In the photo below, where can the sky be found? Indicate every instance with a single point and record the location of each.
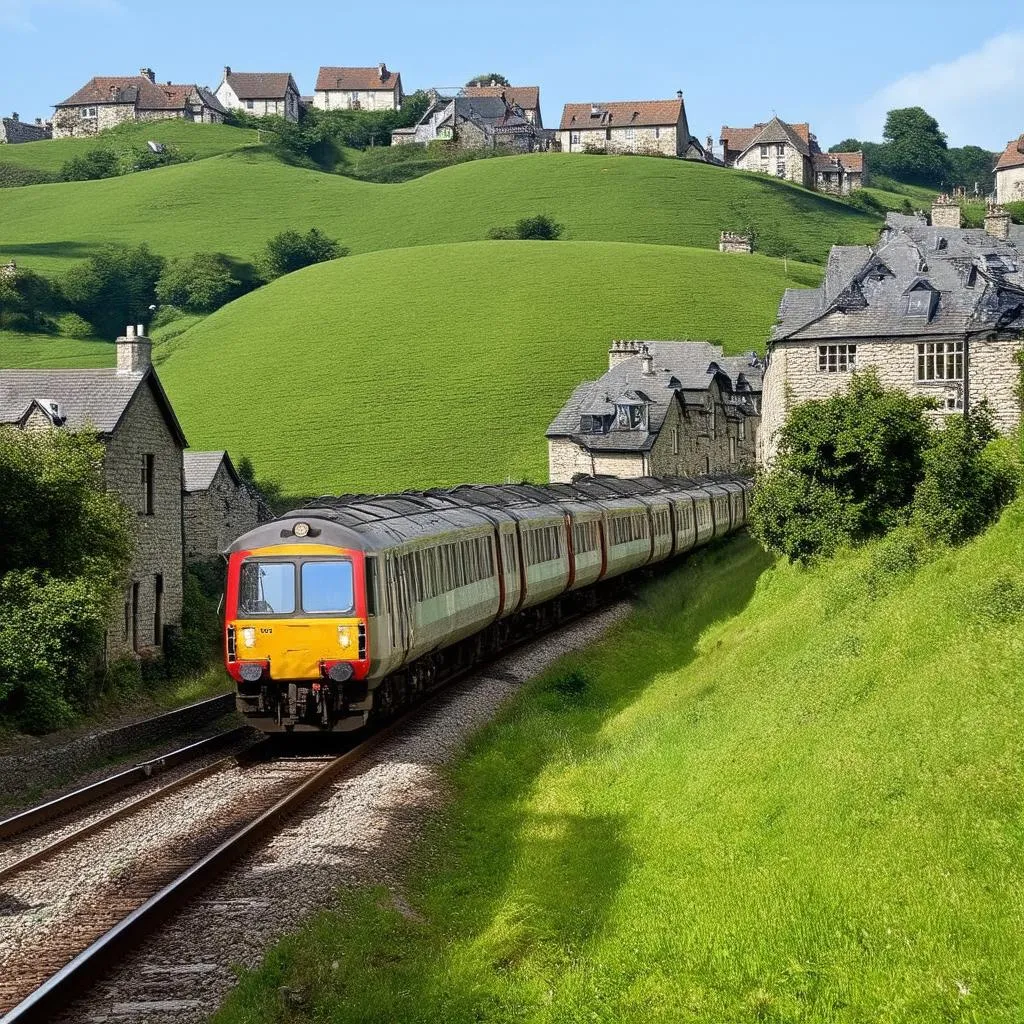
(839, 66)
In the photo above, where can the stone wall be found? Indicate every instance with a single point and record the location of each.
(158, 537)
(797, 166)
(729, 242)
(666, 140)
(365, 99)
(68, 122)
(1010, 185)
(217, 516)
(13, 131)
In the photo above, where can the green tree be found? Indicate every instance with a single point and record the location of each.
(200, 283)
(290, 251)
(113, 287)
(97, 163)
(539, 227)
(970, 167)
(917, 150)
(25, 300)
(492, 79)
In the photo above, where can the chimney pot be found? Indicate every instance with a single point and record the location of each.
(679, 94)
(148, 73)
(134, 351)
(14, 116)
(227, 70)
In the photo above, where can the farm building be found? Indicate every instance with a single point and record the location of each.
(260, 93)
(473, 122)
(935, 309)
(636, 126)
(375, 88)
(664, 408)
(525, 97)
(13, 130)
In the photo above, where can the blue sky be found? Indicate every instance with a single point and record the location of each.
(838, 66)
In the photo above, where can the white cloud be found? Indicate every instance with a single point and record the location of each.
(975, 98)
(17, 14)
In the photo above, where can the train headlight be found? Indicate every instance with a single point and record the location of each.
(249, 636)
(301, 530)
(345, 636)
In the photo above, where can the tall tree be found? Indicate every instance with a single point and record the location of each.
(916, 147)
(492, 79)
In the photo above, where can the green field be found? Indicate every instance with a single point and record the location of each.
(233, 203)
(44, 352)
(440, 364)
(777, 798)
(193, 140)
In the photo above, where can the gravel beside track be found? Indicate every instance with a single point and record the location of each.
(357, 832)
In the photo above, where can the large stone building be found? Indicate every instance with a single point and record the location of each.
(1010, 173)
(218, 505)
(645, 127)
(664, 408)
(142, 462)
(374, 88)
(791, 151)
(13, 129)
(935, 309)
(259, 93)
(525, 97)
(472, 122)
(105, 102)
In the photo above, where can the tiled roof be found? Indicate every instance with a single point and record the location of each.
(627, 114)
(260, 85)
(88, 399)
(1012, 156)
(356, 79)
(853, 163)
(736, 140)
(776, 130)
(680, 368)
(201, 468)
(139, 91)
(525, 96)
(979, 281)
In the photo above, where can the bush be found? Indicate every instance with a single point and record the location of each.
(199, 283)
(290, 251)
(71, 325)
(142, 158)
(540, 227)
(16, 176)
(97, 163)
(113, 287)
(26, 300)
(197, 643)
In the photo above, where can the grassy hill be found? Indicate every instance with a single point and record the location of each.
(781, 795)
(234, 202)
(434, 365)
(197, 141)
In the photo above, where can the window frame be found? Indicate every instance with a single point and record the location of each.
(338, 612)
(837, 358)
(953, 356)
(85, 115)
(148, 481)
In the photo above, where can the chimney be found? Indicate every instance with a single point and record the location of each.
(148, 73)
(945, 213)
(227, 71)
(997, 222)
(134, 351)
(646, 362)
(679, 94)
(39, 121)
(622, 350)
(14, 116)
(382, 70)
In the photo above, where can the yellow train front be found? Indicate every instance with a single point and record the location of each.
(296, 640)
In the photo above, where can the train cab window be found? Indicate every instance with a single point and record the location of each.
(371, 586)
(266, 588)
(327, 586)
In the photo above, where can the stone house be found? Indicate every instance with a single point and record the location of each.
(259, 93)
(105, 102)
(142, 462)
(374, 88)
(791, 151)
(218, 505)
(13, 130)
(525, 97)
(935, 309)
(645, 127)
(472, 122)
(664, 408)
(1010, 173)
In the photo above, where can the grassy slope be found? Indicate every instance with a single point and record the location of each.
(780, 800)
(195, 140)
(440, 364)
(235, 202)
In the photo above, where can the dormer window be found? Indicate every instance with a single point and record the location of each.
(631, 416)
(594, 424)
(921, 304)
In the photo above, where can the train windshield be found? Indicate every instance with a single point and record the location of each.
(267, 588)
(327, 586)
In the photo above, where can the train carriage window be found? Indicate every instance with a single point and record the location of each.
(371, 585)
(267, 588)
(327, 586)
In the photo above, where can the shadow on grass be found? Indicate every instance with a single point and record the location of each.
(514, 882)
(61, 250)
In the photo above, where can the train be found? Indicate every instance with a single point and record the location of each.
(351, 608)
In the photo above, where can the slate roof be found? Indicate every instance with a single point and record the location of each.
(776, 130)
(201, 468)
(979, 281)
(139, 91)
(1012, 156)
(627, 114)
(683, 370)
(488, 112)
(88, 399)
(356, 79)
(525, 96)
(852, 163)
(261, 85)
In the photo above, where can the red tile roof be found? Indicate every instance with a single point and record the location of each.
(260, 85)
(356, 79)
(627, 114)
(139, 91)
(525, 96)
(852, 163)
(1012, 156)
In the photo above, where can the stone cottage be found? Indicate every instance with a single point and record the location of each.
(791, 151)
(142, 462)
(935, 309)
(664, 408)
(525, 97)
(13, 130)
(259, 93)
(105, 102)
(1010, 173)
(374, 88)
(472, 122)
(645, 127)
(218, 505)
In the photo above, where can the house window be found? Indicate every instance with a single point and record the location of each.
(657, 133)
(675, 440)
(88, 113)
(732, 449)
(780, 169)
(743, 430)
(249, 105)
(148, 466)
(940, 360)
(955, 400)
(764, 152)
(837, 358)
(574, 138)
(608, 134)
(630, 133)
(780, 149)
(158, 610)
